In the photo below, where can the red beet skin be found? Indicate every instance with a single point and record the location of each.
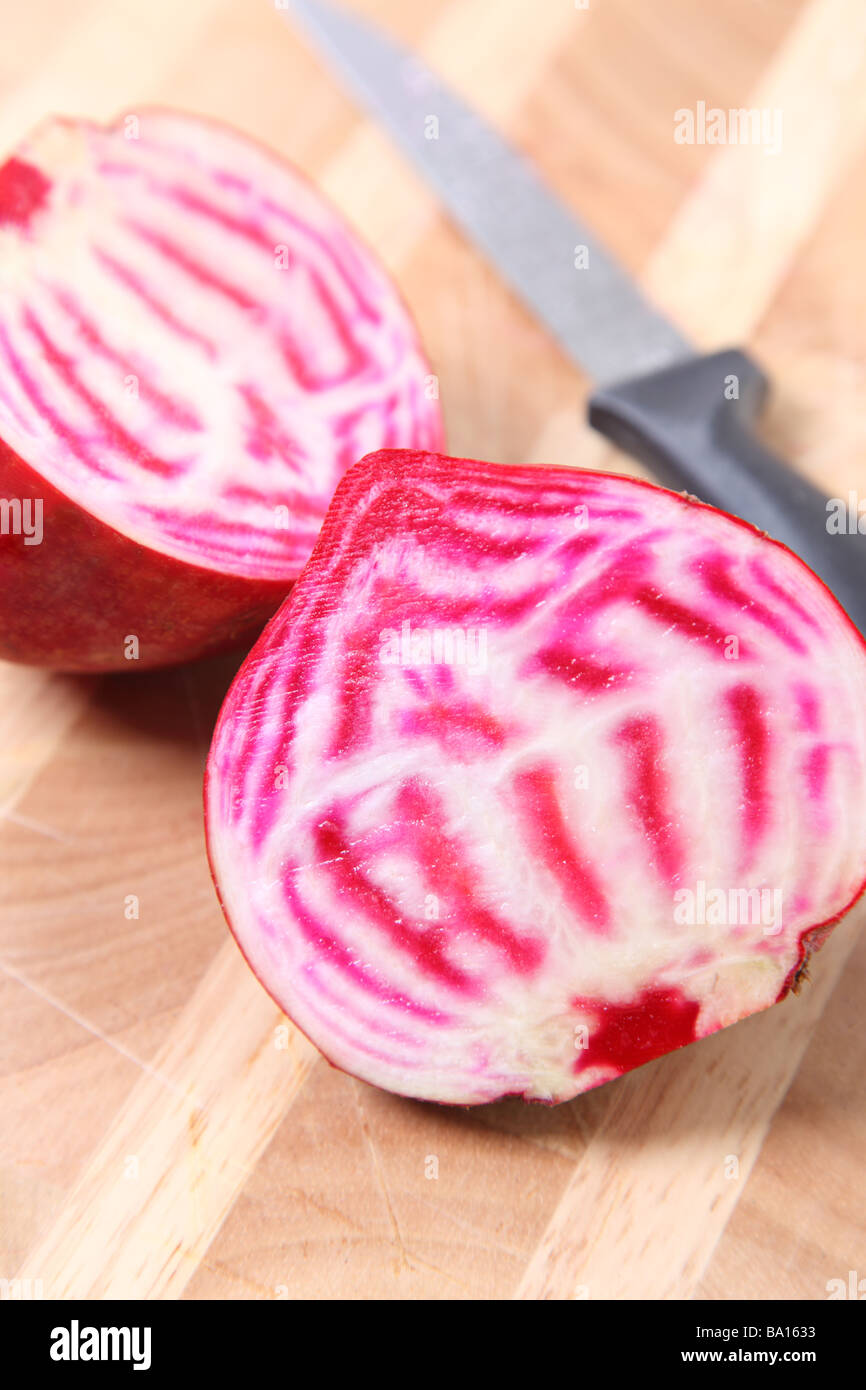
(193, 349)
(536, 775)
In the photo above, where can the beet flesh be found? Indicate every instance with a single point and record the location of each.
(536, 775)
(193, 349)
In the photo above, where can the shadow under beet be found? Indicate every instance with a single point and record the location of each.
(175, 704)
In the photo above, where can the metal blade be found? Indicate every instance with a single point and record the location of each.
(586, 300)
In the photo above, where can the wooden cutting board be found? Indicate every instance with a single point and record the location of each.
(162, 1134)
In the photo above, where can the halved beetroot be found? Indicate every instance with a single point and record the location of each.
(193, 349)
(536, 775)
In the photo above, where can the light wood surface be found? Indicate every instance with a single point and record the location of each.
(163, 1132)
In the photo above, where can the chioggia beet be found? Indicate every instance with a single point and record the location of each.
(536, 775)
(193, 349)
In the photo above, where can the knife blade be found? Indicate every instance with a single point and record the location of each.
(688, 417)
(499, 201)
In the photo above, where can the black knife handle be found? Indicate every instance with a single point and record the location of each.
(692, 424)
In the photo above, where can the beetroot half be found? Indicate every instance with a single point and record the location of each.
(536, 775)
(193, 349)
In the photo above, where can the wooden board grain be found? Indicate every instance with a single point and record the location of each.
(163, 1133)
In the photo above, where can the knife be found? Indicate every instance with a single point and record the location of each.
(689, 417)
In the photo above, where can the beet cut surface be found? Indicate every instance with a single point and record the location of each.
(193, 348)
(536, 775)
